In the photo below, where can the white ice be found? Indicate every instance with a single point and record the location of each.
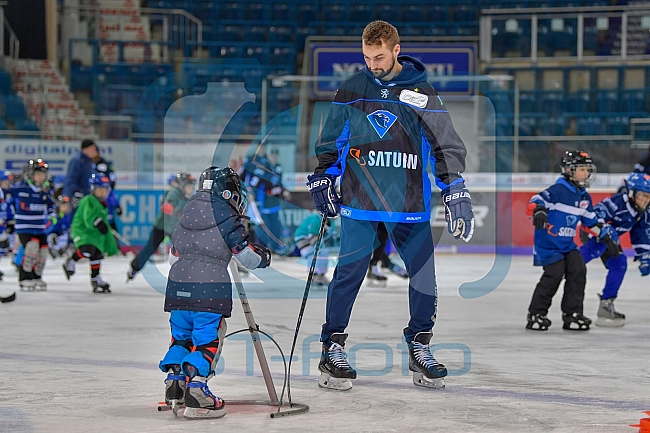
(74, 361)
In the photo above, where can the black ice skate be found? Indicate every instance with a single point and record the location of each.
(397, 270)
(538, 322)
(335, 370)
(575, 322)
(607, 314)
(2, 274)
(375, 277)
(130, 274)
(69, 268)
(100, 286)
(320, 280)
(200, 402)
(175, 388)
(426, 370)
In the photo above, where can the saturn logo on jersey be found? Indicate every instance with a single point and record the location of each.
(381, 120)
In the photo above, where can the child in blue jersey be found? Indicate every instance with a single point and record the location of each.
(625, 212)
(556, 213)
(58, 226)
(32, 206)
(6, 227)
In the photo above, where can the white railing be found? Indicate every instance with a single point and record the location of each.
(628, 25)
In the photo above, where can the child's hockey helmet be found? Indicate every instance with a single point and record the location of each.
(637, 182)
(98, 180)
(35, 165)
(184, 179)
(573, 159)
(224, 183)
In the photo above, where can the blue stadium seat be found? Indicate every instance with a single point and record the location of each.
(386, 11)
(307, 13)
(527, 102)
(281, 33)
(579, 102)
(284, 11)
(231, 33)
(26, 125)
(360, 12)
(230, 10)
(464, 12)
(255, 33)
(3, 125)
(5, 83)
(437, 13)
(634, 100)
(528, 126)
(334, 13)
(552, 103)
(257, 11)
(14, 107)
(410, 12)
(590, 125)
(618, 124)
(260, 52)
(553, 126)
(282, 55)
(607, 101)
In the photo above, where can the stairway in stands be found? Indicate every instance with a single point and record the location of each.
(49, 102)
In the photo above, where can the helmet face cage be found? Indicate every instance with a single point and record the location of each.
(638, 182)
(36, 165)
(574, 159)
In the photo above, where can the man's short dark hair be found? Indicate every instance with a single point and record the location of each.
(87, 143)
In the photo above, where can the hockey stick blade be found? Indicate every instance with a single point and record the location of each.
(9, 298)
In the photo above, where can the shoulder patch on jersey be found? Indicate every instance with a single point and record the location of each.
(413, 98)
(584, 204)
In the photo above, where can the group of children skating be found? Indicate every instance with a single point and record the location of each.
(556, 212)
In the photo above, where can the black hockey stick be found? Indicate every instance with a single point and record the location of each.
(9, 298)
(305, 295)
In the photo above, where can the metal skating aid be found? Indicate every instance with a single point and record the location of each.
(420, 380)
(339, 384)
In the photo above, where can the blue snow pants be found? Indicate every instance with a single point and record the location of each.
(616, 266)
(197, 330)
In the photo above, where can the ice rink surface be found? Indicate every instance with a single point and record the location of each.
(74, 361)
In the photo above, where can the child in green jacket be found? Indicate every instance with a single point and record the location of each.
(91, 233)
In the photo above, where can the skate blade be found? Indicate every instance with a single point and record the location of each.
(610, 323)
(338, 384)
(420, 380)
(538, 328)
(582, 328)
(199, 413)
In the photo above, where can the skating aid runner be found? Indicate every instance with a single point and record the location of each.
(305, 295)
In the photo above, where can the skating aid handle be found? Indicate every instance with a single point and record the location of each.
(305, 295)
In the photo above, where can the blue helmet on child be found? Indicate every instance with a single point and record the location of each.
(637, 182)
(98, 180)
(6, 175)
(58, 181)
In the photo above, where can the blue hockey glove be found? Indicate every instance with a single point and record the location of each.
(609, 237)
(644, 264)
(458, 211)
(326, 200)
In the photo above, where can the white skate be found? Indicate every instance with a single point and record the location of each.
(335, 383)
(374, 278)
(27, 285)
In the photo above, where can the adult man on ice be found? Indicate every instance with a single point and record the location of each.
(385, 126)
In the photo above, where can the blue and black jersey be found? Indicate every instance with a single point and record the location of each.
(32, 208)
(623, 217)
(381, 136)
(567, 206)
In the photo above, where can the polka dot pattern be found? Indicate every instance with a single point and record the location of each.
(204, 236)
